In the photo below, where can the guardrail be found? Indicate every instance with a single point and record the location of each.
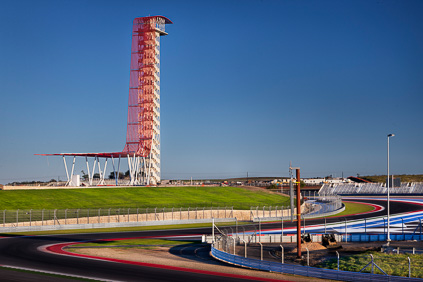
(317, 207)
(308, 271)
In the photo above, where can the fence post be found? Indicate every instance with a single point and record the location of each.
(259, 229)
(282, 254)
(245, 249)
(325, 224)
(384, 232)
(308, 256)
(337, 254)
(251, 211)
(409, 267)
(234, 243)
(261, 251)
(365, 226)
(346, 239)
(402, 225)
(236, 227)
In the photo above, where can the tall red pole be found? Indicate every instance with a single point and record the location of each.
(298, 214)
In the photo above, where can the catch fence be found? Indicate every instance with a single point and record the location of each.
(224, 248)
(45, 217)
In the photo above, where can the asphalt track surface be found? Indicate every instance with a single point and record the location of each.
(24, 252)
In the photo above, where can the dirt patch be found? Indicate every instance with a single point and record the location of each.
(195, 256)
(310, 246)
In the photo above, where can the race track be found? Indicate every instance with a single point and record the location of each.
(27, 252)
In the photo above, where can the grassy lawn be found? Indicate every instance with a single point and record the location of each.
(354, 208)
(392, 264)
(138, 197)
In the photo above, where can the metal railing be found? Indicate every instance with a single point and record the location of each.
(308, 271)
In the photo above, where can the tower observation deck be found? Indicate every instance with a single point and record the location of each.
(142, 148)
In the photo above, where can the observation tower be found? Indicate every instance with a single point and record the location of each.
(142, 148)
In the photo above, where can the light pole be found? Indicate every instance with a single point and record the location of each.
(387, 185)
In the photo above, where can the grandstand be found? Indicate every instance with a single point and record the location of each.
(370, 189)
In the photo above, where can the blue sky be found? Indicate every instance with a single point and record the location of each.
(246, 86)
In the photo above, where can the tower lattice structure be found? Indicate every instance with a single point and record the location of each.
(143, 128)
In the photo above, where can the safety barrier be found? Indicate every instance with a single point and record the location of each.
(303, 270)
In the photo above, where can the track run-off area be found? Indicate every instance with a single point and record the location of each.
(45, 254)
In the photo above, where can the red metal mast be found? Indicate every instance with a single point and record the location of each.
(144, 85)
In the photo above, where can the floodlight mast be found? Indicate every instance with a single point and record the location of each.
(388, 239)
(298, 213)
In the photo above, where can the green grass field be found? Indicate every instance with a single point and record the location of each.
(354, 208)
(392, 264)
(138, 197)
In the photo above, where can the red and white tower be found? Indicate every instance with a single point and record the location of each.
(143, 130)
(142, 148)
